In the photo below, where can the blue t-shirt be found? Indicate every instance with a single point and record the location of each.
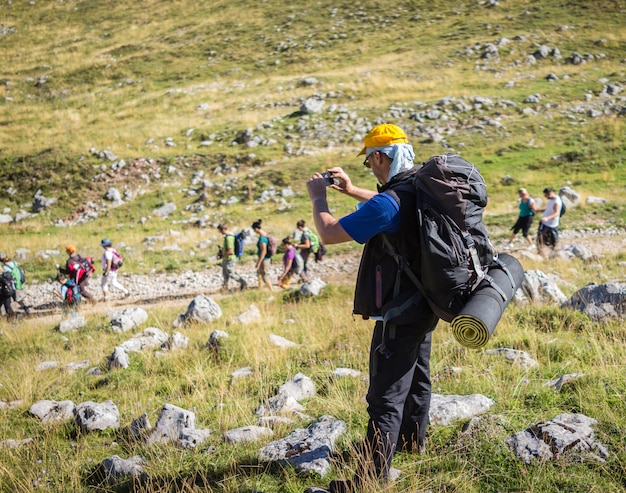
(380, 214)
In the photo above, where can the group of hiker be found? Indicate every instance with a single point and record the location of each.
(298, 249)
(73, 278)
(548, 231)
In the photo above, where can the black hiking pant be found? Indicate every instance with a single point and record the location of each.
(5, 301)
(547, 236)
(399, 392)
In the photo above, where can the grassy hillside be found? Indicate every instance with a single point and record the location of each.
(199, 104)
(176, 83)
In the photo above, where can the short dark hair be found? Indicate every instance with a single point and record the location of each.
(221, 226)
(300, 223)
(256, 224)
(547, 190)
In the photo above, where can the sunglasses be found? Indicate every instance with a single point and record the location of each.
(366, 162)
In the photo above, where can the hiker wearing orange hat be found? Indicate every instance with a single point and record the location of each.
(400, 388)
(78, 269)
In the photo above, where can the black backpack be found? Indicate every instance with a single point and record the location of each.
(456, 253)
(7, 284)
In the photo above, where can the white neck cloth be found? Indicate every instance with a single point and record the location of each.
(402, 156)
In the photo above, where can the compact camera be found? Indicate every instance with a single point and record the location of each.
(328, 178)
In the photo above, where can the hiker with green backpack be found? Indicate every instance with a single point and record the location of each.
(309, 244)
(17, 275)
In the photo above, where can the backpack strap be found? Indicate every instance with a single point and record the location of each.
(471, 246)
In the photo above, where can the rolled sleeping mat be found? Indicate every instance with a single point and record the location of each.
(476, 321)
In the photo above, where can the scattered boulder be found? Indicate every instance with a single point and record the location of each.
(192, 437)
(279, 404)
(114, 469)
(128, 319)
(566, 433)
(47, 365)
(444, 409)
(11, 443)
(179, 426)
(308, 450)
(242, 372)
(600, 301)
(151, 337)
(346, 372)
(281, 341)
(92, 416)
(247, 434)
(171, 422)
(300, 387)
(312, 287)
(539, 288)
(41, 203)
(175, 341)
(214, 338)
(119, 359)
(201, 309)
(165, 210)
(113, 195)
(52, 411)
(72, 324)
(558, 383)
(517, 357)
(139, 427)
(77, 365)
(252, 314)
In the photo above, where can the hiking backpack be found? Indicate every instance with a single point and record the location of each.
(298, 264)
(456, 253)
(72, 295)
(82, 267)
(19, 277)
(272, 245)
(240, 239)
(321, 251)
(7, 284)
(117, 260)
(563, 208)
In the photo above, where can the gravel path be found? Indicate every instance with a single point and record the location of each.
(148, 289)
(183, 285)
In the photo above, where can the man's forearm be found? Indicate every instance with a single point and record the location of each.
(360, 194)
(327, 226)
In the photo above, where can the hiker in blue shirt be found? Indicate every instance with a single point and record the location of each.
(400, 389)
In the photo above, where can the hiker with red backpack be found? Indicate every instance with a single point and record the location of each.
(400, 387)
(69, 293)
(111, 262)
(78, 269)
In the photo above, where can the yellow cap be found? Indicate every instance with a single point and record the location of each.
(383, 135)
